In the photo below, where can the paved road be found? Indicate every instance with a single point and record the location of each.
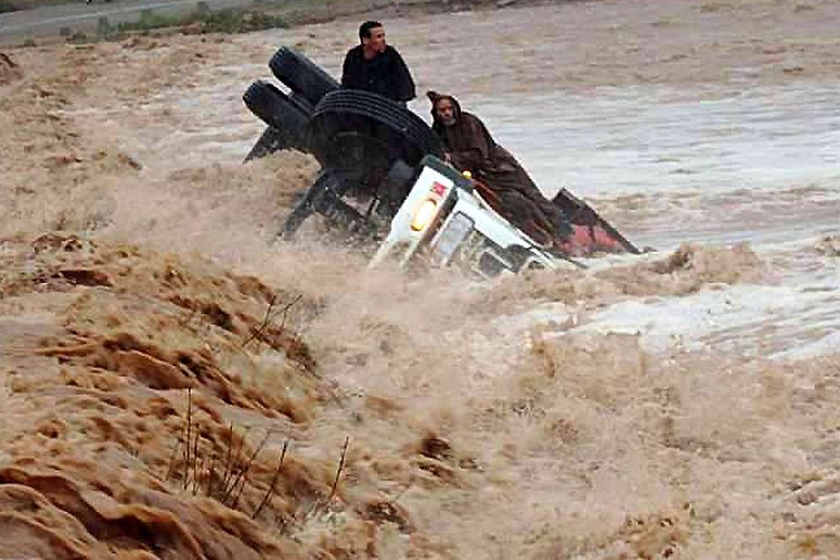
(15, 27)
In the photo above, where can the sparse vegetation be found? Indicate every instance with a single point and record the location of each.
(231, 21)
(217, 465)
(710, 7)
(268, 15)
(30, 4)
(78, 37)
(205, 21)
(201, 20)
(148, 21)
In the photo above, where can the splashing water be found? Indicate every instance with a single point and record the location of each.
(676, 404)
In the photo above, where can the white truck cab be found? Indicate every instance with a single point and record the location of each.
(444, 221)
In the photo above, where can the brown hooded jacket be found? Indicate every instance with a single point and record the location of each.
(471, 148)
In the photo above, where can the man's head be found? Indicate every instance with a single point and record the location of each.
(372, 36)
(445, 110)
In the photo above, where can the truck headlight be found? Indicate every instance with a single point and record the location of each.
(424, 215)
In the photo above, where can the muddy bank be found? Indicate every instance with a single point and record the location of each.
(155, 405)
(159, 404)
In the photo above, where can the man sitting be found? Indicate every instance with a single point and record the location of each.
(510, 191)
(563, 225)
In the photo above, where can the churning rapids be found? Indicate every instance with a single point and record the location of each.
(678, 404)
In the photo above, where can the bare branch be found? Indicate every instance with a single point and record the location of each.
(189, 430)
(270, 491)
(227, 468)
(195, 470)
(258, 332)
(340, 468)
(245, 469)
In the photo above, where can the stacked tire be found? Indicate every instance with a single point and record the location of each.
(301, 75)
(286, 114)
(391, 122)
(286, 121)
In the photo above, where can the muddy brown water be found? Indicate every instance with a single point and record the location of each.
(679, 404)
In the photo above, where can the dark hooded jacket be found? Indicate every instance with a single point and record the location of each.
(385, 74)
(512, 192)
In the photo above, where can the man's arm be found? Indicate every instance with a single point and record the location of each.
(475, 149)
(347, 71)
(467, 160)
(404, 89)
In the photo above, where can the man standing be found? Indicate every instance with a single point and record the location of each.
(375, 66)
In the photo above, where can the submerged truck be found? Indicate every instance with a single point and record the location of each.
(383, 176)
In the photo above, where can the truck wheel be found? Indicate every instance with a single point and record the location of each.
(301, 103)
(301, 75)
(365, 113)
(279, 112)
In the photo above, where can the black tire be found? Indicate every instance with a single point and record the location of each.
(269, 142)
(279, 112)
(301, 103)
(301, 75)
(354, 111)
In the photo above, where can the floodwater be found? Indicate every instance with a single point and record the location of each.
(757, 166)
(677, 404)
(668, 165)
